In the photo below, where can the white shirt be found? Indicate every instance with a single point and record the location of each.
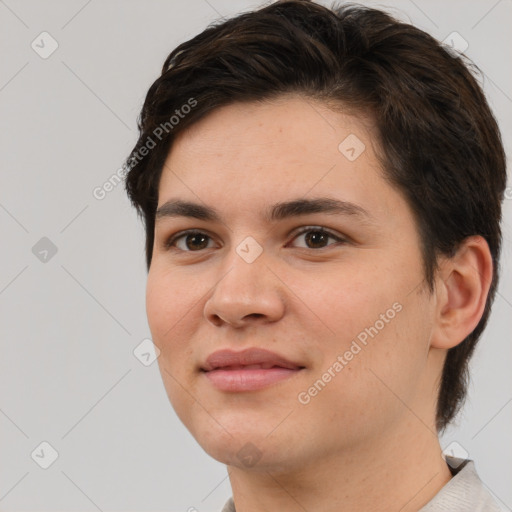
(465, 492)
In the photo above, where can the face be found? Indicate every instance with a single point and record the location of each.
(337, 296)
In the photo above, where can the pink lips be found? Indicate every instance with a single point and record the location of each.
(248, 370)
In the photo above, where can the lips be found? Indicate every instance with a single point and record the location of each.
(249, 370)
(252, 358)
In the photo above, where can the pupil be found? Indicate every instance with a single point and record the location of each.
(315, 235)
(195, 236)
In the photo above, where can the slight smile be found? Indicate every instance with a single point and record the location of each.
(248, 370)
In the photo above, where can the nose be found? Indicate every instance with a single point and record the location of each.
(247, 293)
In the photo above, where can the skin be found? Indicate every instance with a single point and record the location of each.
(367, 440)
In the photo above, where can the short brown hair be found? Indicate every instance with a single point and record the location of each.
(441, 146)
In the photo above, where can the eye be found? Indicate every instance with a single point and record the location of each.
(194, 240)
(317, 236)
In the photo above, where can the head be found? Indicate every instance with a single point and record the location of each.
(271, 107)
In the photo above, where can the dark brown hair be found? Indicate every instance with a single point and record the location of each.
(441, 146)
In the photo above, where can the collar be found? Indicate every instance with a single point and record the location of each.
(464, 492)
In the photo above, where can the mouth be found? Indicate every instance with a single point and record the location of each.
(248, 370)
(248, 378)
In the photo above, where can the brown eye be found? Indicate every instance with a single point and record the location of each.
(193, 241)
(317, 238)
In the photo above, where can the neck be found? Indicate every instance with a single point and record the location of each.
(400, 471)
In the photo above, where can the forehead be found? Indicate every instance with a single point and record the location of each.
(285, 126)
(250, 153)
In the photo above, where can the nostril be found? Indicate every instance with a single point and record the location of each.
(254, 315)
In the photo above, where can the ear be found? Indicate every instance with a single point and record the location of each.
(462, 286)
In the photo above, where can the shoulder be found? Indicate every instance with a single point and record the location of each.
(229, 506)
(464, 492)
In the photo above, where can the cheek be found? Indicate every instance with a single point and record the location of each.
(379, 325)
(376, 378)
(388, 353)
(350, 299)
(169, 303)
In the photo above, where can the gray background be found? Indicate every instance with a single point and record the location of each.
(69, 325)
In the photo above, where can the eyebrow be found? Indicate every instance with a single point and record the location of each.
(276, 212)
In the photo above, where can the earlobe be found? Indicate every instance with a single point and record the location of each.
(462, 287)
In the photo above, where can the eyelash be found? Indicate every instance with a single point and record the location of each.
(169, 243)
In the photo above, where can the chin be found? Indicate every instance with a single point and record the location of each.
(249, 451)
(234, 448)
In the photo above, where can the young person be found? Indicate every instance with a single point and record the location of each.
(321, 191)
